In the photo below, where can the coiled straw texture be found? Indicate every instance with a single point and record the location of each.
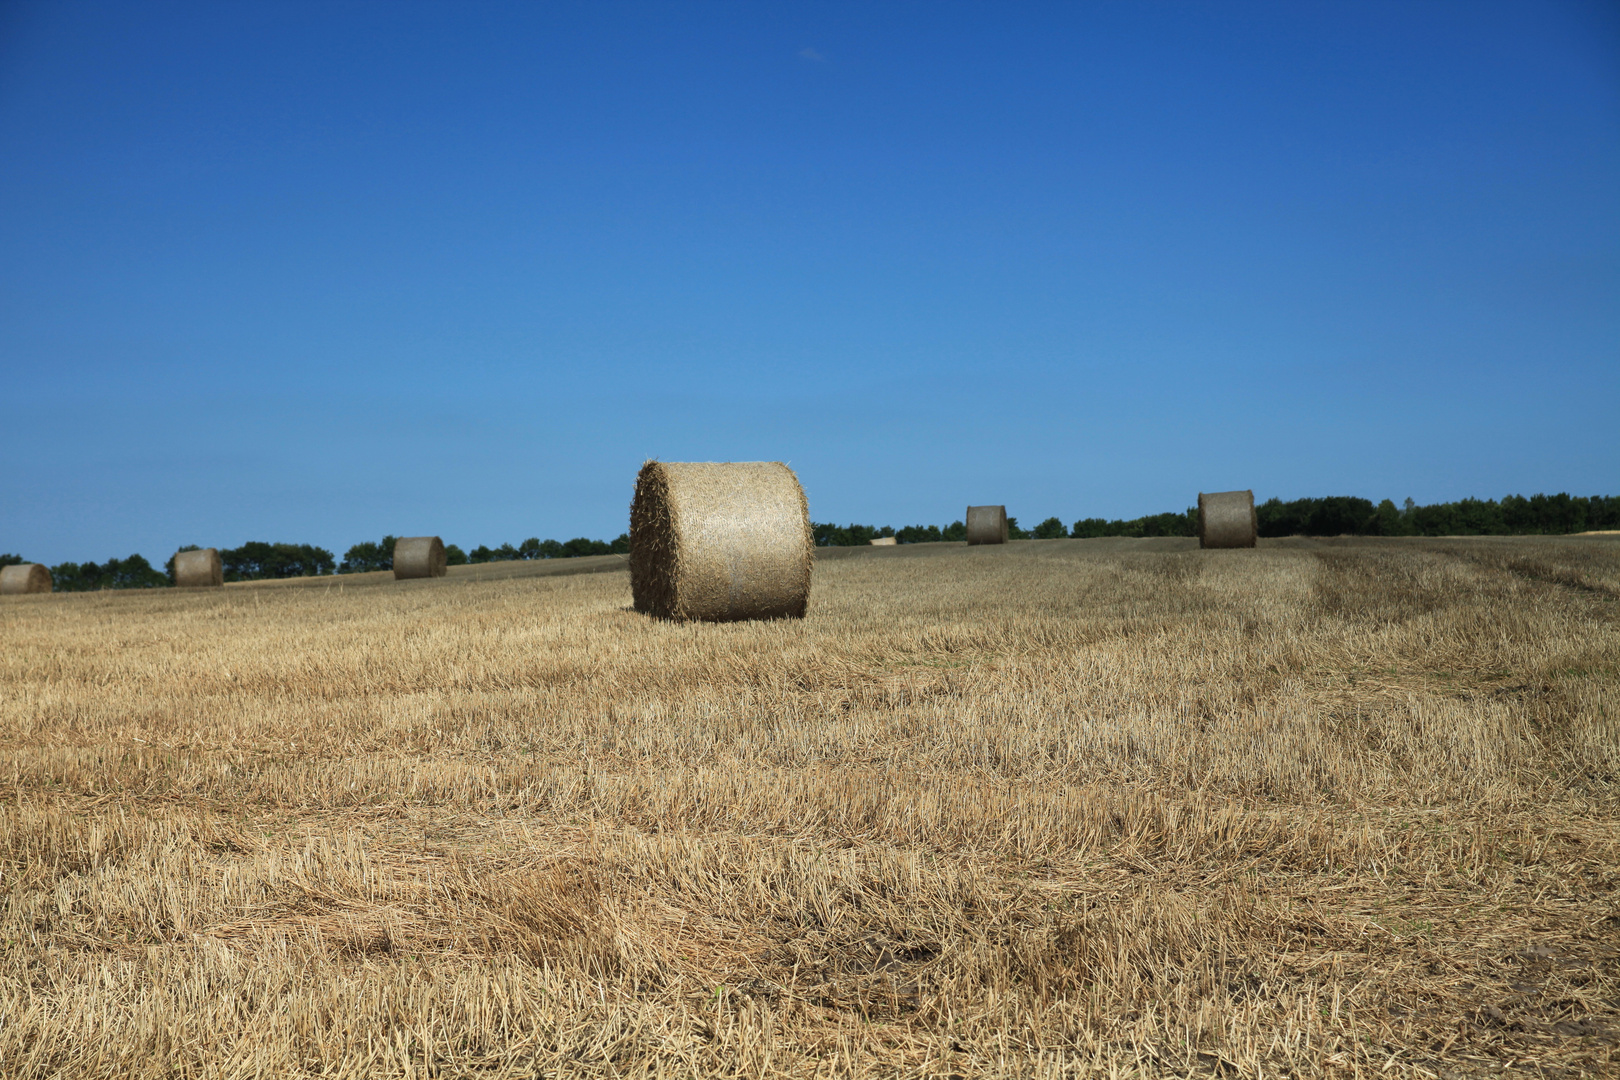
(418, 557)
(1226, 519)
(198, 569)
(720, 541)
(24, 578)
(987, 524)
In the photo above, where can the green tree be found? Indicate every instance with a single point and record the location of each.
(1051, 529)
(1387, 520)
(131, 573)
(919, 534)
(1091, 528)
(580, 546)
(368, 555)
(454, 556)
(257, 560)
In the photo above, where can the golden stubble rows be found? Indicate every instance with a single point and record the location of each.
(1042, 809)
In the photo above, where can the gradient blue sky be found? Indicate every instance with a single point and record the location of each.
(317, 272)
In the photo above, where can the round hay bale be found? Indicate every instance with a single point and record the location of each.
(198, 569)
(720, 541)
(987, 525)
(883, 541)
(28, 577)
(418, 557)
(1226, 519)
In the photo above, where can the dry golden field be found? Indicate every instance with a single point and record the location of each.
(1342, 808)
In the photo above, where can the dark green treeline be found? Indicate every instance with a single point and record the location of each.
(1335, 515)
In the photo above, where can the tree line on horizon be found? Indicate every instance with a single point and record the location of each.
(1335, 515)
(258, 560)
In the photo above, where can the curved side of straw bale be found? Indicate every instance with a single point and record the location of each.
(29, 577)
(1226, 519)
(883, 541)
(418, 557)
(198, 569)
(720, 541)
(987, 524)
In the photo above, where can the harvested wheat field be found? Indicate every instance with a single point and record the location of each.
(1038, 809)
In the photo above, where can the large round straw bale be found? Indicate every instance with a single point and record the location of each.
(720, 541)
(25, 577)
(198, 569)
(1226, 519)
(418, 556)
(883, 541)
(987, 525)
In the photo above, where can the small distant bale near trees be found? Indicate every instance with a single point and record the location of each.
(987, 525)
(419, 557)
(883, 541)
(198, 568)
(1226, 519)
(18, 579)
(720, 541)
(852, 535)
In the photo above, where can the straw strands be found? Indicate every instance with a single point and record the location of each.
(987, 525)
(198, 569)
(418, 557)
(24, 578)
(1085, 807)
(1057, 810)
(1226, 519)
(720, 541)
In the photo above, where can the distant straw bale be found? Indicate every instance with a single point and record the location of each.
(418, 557)
(1226, 519)
(198, 569)
(883, 541)
(720, 541)
(28, 577)
(987, 524)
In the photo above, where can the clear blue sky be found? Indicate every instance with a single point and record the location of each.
(317, 272)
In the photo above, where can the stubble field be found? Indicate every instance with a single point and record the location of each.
(1057, 808)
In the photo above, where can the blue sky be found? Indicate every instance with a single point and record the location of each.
(317, 272)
